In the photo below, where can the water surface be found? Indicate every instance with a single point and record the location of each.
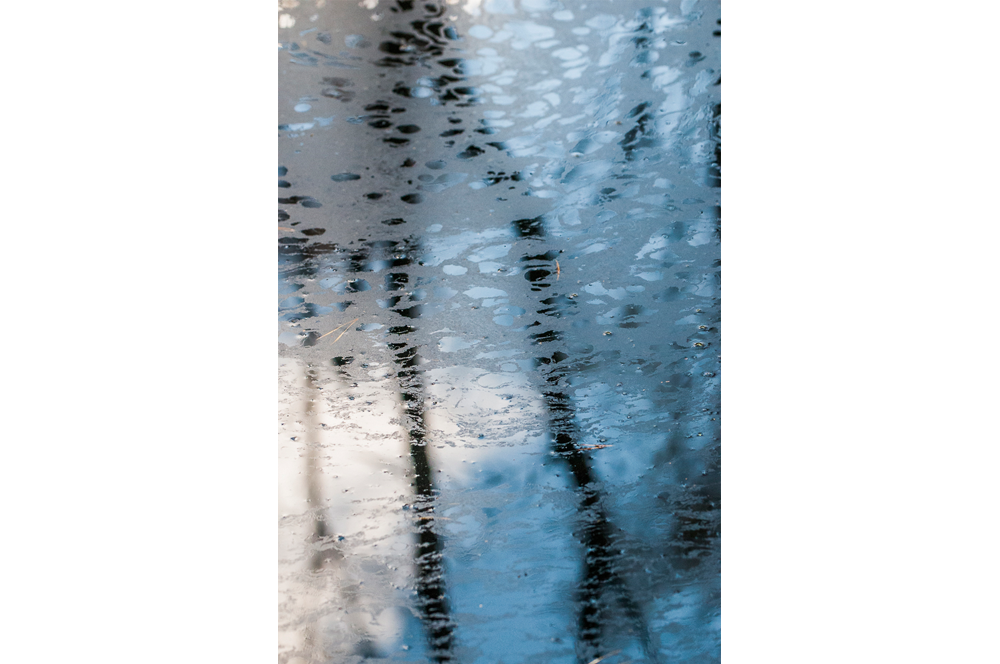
(498, 331)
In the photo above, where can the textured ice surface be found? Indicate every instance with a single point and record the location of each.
(498, 331)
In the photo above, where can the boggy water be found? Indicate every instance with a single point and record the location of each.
(498, 331)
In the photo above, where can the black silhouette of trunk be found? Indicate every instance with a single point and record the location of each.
(415, 38)
(429, 552)
(600, 578)
(430, 585)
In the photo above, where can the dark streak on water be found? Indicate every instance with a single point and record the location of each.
(600, 578)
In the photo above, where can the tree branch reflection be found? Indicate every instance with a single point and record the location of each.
(602, 556)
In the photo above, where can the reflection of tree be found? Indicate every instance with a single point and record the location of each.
(601, 555)
(602, 558)
(432, 601)
(314, 490)
(299, 261)
(324, 554)
(430, 586)
(695, 506)
(419, 37)
(417, 44)
(431, 589)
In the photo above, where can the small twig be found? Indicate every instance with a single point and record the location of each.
(345, 330)
(557, 270)
(604, 657)
(335, 329)
(282, 228)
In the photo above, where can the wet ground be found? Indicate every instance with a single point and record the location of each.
(499, 331)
